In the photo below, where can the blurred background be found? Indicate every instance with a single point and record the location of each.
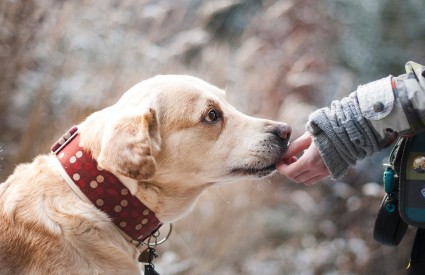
(62, 60)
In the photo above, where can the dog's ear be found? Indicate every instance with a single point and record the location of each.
(127, 146)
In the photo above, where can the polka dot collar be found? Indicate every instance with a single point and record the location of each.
(102, 188)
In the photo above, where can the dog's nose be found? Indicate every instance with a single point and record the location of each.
(283, 130)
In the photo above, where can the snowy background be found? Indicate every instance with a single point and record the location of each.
(62, 60)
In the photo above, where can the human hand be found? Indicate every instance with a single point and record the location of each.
(307, 169)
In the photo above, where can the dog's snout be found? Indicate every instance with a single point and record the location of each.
(283, 131)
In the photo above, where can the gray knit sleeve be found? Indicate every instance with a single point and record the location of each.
(343, 135)
(369, 119)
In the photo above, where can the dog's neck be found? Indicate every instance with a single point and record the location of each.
(103, 189)
(172, 203)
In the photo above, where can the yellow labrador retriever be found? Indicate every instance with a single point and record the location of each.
(123, 172)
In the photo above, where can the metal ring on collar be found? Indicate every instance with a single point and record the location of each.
(149, 244)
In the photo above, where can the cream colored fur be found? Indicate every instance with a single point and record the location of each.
(163, 142)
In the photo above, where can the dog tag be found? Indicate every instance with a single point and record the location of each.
(144, 256)
(150, 270)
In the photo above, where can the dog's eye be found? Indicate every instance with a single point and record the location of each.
(212, 116)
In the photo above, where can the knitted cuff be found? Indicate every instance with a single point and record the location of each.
(342, 135)
(336, 165)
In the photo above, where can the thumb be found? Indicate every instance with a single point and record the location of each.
(298, 145)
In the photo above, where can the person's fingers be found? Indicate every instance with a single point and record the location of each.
(284, 168)
(298, 145)
(287, 161)
(291, 171)
(308, 175)
(296, 169)
(315, 179)
(304, 170)
(309, 168)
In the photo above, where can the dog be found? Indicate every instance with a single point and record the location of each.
(163, 143)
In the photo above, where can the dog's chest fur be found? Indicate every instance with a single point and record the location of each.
(41, 216)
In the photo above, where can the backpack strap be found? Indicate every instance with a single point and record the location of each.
(417, 257)
(389, 228)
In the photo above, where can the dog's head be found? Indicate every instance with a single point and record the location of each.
(181, 129)
(176, 128)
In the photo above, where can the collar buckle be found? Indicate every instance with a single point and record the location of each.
(64, 140)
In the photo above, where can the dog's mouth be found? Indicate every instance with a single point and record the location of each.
(255, 171)
(264, 162)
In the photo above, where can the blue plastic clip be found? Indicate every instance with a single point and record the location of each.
(389, 180)
(390, 207)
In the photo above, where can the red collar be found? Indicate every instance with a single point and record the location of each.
(103, 189)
